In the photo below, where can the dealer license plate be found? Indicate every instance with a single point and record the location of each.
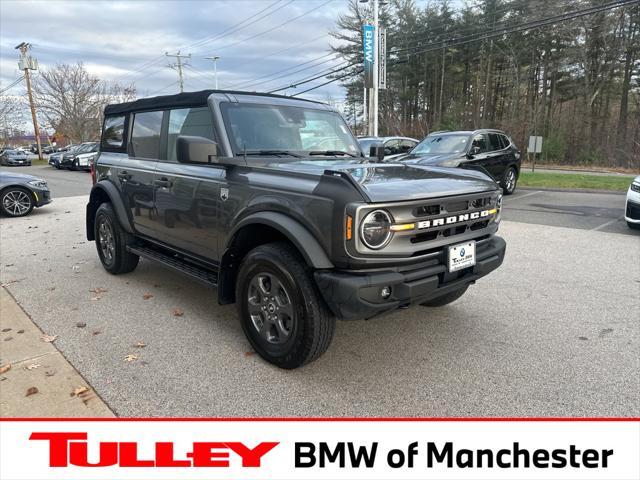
(462, 256)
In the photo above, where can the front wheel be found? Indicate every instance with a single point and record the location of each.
(16, 202)
(446, 299)
(509, 181)
(281, 311)
(112, 241)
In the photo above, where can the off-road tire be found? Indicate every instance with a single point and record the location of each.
(116, 259)
(17, 193)
(312, 325)
(446, 299)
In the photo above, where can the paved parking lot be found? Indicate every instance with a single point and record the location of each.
(553, 332)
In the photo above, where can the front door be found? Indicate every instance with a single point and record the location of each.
(187, 196)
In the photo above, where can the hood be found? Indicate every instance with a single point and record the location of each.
(428, 158)
(395, 182)
(16, 177)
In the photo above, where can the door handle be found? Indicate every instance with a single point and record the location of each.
(164, 182)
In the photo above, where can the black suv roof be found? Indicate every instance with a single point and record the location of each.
(187, 99)
(467, 132)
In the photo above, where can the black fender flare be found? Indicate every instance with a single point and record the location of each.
(111, 191)
(296, 233)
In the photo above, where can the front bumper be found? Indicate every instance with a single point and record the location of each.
(17, 163)
(632, 212)
(356, 295)
(42, 197)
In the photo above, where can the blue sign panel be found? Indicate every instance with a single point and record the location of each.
(368, 39)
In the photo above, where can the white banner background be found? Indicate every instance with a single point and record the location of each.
(21, 458)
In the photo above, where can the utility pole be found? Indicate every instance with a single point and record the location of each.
(178, 66)
(215, 59)
(27, 63)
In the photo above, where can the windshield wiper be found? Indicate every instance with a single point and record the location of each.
(268, 153)
(330, 153)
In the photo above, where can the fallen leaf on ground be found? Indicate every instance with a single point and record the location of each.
(20, 331)
(79, 391)
(8, 338)
(5, 368)
(52, 288)
(249, 354)
(98, 290)
(130, 358)
(178, 312)
(6, 330)
(33, 366)
(81, 324)
(31, 391)
(147, 296)
(140, 345)
(97, 332)
(48, 338)
(50, 373)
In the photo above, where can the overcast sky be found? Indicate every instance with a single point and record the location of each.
(125, 41)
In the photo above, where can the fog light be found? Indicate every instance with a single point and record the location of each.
(385, 292)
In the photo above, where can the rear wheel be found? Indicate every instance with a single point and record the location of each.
(281, 311)
(112, 241)
(16, 202)
(509, 180)
(446, 299)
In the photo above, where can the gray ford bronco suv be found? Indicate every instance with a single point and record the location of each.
(271, 200)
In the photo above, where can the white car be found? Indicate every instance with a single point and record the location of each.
(632, 208)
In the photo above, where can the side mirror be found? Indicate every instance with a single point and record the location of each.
(196, 150)
(474, 151)
(377, 151)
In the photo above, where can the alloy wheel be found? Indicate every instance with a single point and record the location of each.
(106, 240)
(510, 181)
(16, 202)
(270, 308)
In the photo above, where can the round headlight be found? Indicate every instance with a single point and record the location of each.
(375, 229)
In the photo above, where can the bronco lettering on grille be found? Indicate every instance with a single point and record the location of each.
(441, 222)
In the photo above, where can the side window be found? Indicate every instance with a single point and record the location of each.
(407, 145)
(479, 141)
(392, 147)
(113, 133)
(505, 141)
(194, 122)
(494, 142)
(145, 137)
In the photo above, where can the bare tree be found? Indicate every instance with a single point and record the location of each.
(73, 100)
(11, 116)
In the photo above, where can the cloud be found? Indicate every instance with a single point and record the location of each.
(125, 41)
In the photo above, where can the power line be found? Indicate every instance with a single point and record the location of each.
(276, 27)
(12, 84)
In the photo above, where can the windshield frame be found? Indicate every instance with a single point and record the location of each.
(347, 134)
(424, 140)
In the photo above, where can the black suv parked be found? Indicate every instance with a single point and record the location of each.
(491, 151)
(271, 200)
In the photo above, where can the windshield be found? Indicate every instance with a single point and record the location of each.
(442, 144)
(277, 128)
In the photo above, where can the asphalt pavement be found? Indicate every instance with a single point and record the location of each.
(553, 332)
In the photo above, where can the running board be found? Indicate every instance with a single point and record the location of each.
(174, 262)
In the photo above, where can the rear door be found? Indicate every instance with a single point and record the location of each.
(497, 158)
(135, 173)
(187, 195)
